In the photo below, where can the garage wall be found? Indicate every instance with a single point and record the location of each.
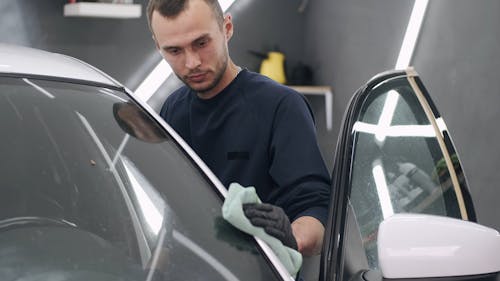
(348, 42)
(264, 26)
(458, 60)
(121, 47)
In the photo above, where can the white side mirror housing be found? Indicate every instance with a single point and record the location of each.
(419, 246)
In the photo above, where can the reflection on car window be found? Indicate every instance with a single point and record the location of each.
(83, 195)
(398, 164)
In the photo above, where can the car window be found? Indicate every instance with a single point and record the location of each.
(398, 164)
(90, 192)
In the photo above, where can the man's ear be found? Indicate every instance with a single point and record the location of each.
(228, 26)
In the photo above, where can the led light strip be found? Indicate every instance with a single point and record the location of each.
(153, 81)
(404, 58)
(162, 71)
(411, 35)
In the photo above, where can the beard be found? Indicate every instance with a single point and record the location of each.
(218, 73)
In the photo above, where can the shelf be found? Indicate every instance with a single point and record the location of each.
(102, 10)
(325, 91)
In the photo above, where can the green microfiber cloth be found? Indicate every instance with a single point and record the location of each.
(232, 211)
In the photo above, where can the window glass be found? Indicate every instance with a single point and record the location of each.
(91, 187)
(398, 166)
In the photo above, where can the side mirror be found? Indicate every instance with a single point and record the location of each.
(418, 246)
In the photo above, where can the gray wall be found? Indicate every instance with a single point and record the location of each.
(348, 42)
(263, 25)
(458, 60)
(121, 47)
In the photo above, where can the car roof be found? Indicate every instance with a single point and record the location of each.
(34, 62)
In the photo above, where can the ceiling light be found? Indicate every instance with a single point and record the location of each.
(153, 81)
(412, 31)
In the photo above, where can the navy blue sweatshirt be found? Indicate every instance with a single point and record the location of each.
(257, 132)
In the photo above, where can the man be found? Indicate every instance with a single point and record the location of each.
(246, 127)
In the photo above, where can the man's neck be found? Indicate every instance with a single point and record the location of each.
(230, 74)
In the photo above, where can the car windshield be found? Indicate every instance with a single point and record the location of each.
(93, 189)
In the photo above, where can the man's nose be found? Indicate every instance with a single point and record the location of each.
(192, 59)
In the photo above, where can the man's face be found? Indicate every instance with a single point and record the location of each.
(194, 45)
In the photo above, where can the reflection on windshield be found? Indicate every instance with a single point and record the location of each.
(145, 250)
(38, 88)
(93, 188)
(152, 211)
(150, 204)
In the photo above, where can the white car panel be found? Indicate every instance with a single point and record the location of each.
(420, 246)
(24, 60)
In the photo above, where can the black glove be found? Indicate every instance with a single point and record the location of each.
(273, 220)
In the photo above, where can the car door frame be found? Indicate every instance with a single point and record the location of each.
(333, 254)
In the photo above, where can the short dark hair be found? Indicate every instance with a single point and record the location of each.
(172, 8)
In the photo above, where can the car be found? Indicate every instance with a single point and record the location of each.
(96, 186)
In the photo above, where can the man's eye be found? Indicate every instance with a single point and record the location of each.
(202, 43)
(173, 51)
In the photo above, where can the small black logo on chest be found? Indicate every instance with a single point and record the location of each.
(238, 155)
